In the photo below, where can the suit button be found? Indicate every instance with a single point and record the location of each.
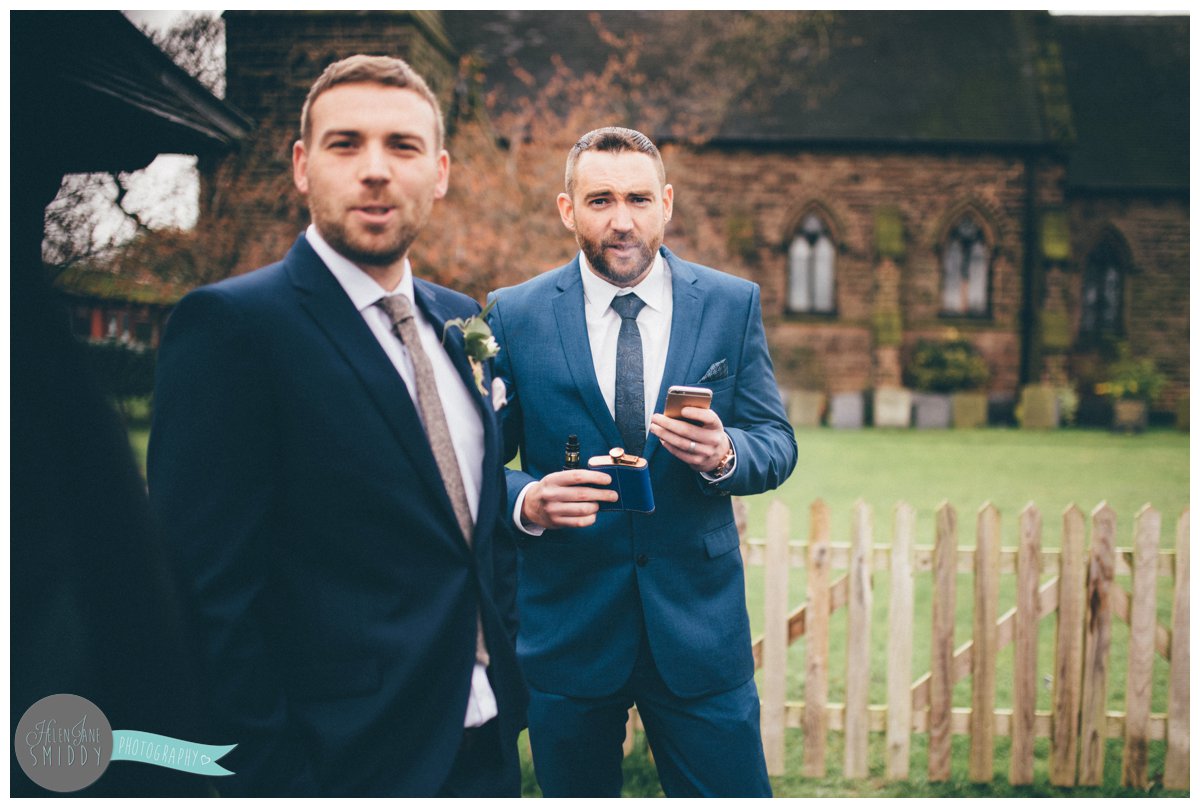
(642, 560)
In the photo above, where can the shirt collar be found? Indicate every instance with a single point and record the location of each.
(360, 287)
(599, 293)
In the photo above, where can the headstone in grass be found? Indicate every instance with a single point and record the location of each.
(970, 410)
(846, 410)
(1039, 407)
(931, 410)
(805, 407)
(892, 407)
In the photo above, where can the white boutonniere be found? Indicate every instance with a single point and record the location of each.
(478, 342)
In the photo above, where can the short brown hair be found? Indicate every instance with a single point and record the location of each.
(386, 70)
(612, 139)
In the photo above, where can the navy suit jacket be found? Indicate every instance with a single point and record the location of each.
(584, 595)
(328, 586)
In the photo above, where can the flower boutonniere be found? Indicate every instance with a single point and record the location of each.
(478, 342)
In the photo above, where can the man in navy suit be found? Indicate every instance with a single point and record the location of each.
(347, 570)
(620, 608)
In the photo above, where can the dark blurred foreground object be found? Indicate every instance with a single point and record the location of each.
(93, 603)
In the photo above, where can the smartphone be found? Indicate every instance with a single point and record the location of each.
(680, 396)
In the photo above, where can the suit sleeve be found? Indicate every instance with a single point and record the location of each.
(510, 415)
(761, 433)
(212, 466)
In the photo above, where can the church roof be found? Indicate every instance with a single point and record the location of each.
(1110, 93)
(866, 77)
(1128, 82)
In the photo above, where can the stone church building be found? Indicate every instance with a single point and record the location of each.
(1012, 178)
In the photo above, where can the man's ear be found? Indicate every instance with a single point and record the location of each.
(443, 168)
(300, 166)
(668, 194)
(566, 209)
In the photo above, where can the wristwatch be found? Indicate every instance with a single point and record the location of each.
(722, 468)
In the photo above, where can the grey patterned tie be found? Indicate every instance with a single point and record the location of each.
(399, 309)
(631, 388)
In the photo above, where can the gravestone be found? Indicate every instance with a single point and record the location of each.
(893, 407)
(846, 410)
(931, 410)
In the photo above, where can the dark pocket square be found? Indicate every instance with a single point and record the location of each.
(716, 372)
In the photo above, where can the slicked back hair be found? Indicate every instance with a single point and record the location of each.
(612, 139)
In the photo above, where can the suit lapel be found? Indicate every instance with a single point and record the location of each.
(686, 316)
(326, 302)
(568, 307)
(428, 301)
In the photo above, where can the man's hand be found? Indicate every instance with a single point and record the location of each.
(700, 445)
(564, 499)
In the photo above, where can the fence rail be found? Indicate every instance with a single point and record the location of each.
(1084, 595)
(1085, 590)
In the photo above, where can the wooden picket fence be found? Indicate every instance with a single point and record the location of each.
(1084, 593)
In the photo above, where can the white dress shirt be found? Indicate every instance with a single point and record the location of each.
(458, 402)
(604, 327)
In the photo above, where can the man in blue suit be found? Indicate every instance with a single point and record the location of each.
(347, 570)
(620, 608)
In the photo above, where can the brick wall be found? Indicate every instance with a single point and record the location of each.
(1156, 231)
(737, 209)
(768, 193)
(272, 59)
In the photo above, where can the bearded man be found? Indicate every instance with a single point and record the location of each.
(621, 608)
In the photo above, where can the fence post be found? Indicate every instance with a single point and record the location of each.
(985, 644)
(775, 638)
(816, 643)
(1068, 651)
(1025, 646)
(1096, 641)
(900, 642)
(1177, 771)
(941, 679)
(1142, 623)
(858, 643)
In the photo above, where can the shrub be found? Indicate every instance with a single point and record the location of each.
(1130, 378)
(945, 367)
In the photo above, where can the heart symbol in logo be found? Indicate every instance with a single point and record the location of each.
(205, 760)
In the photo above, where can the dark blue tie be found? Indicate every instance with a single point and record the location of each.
(631, 389)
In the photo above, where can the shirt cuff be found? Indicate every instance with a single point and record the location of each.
(708, 477)
(531, 530)
(481, 704)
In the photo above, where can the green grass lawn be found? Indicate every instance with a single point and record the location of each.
(1008, 468)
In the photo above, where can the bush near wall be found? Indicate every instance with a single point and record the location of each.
(125, 372)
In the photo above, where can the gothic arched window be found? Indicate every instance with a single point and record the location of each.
(1103, 292)
(965, 269)
(811, 268)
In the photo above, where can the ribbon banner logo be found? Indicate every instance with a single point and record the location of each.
(64, 743)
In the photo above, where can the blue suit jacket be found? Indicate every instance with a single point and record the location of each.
(585, 594)
(328, 586)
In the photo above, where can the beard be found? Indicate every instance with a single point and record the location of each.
(621, 272)
(368, 247)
